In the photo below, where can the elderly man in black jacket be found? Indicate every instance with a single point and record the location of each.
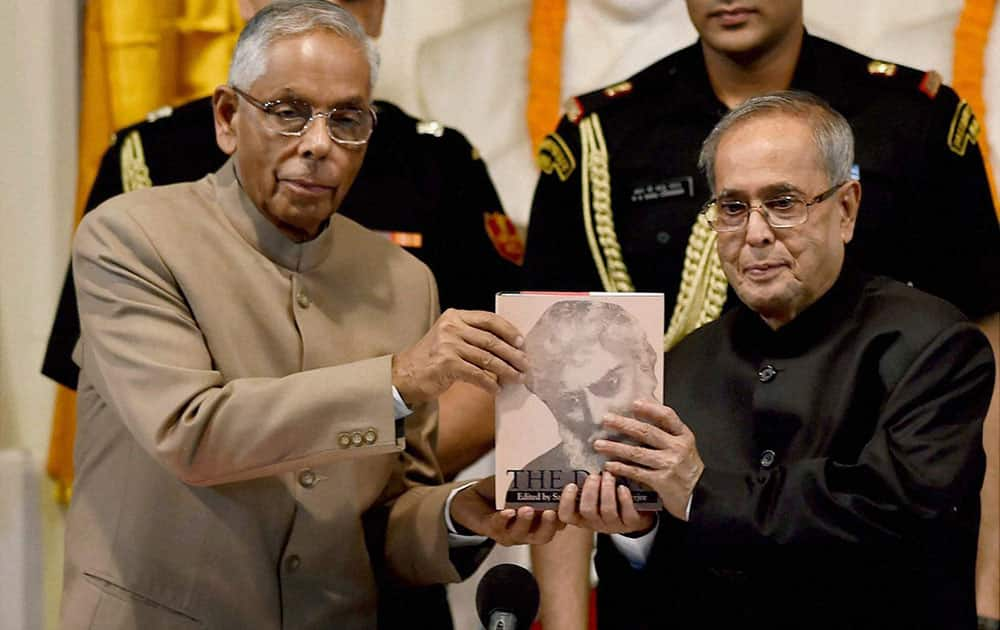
(821, 456)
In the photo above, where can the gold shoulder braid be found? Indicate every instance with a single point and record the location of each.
(135, 173)
(703, 285)
(600, 228)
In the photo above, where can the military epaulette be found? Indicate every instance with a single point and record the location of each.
(926, 82)
(579, 106)
(160, 112)
(430, 128)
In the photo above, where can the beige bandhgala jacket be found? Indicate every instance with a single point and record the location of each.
(236, 419)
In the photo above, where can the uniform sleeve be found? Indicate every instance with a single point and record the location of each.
(961, 253)
(483, 250)
(918, 474)
(557, 251)
(148, 361)
(58, 363)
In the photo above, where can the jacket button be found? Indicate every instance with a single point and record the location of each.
(356, 438)
(767, 458)
(307, 478)
(344, 440)
(292, 563)
(370, 436)
(302, 299)
(767, 373)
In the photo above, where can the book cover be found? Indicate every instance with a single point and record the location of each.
(590, 354)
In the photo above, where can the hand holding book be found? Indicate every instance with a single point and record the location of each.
(604, 506)
(665, 457)
(476, 347)
(473, 510)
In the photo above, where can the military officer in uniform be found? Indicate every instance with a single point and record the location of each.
(632, 149)
(616, 206)
(422, 186)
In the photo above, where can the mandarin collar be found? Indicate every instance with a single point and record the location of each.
(689, 88)
(260, 233)
(697, 95)
(808, 76)
(818, 320)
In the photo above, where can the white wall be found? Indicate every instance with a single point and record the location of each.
(38, 46)
(407, 24)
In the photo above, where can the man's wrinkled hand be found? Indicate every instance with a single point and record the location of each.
(665, 459)
(603, 506)
(476, 347)
(473, 508)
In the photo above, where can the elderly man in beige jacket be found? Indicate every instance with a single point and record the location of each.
(258, 377)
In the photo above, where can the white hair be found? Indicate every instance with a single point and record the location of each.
(288, 18)
(831, 132)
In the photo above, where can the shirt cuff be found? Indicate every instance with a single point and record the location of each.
(399, 407)
(636, 550)
(454, 538)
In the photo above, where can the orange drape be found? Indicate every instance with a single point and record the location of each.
(548, 21)
(137, 56)
(969, 67)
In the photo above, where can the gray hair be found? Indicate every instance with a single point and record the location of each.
(831, 132)
(288, 18)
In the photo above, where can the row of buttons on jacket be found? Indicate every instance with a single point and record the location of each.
(357, 438)
(766, 374)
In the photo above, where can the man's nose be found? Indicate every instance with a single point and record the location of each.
(759, 231)
(315, 141)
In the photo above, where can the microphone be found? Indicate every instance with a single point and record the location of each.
(507, 598)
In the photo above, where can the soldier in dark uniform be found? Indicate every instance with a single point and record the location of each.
(422, 185)
(616, 206)
(634, 146)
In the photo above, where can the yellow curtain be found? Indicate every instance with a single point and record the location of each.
(138, 55)
(969, 67)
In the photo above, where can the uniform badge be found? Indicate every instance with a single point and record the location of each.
(413, 240)
(930, 84)
(504, 236)
(430, 128)
(554, 155)
(573, 109)
(963, 130)
(618, 89)
(881, 68)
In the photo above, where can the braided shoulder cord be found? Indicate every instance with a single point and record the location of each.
(598, 214)
(702, 291)
(586, 140)
(135, 173)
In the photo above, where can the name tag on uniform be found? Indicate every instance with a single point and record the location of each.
(663, 189)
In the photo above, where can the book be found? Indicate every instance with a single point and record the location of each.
(590, 354)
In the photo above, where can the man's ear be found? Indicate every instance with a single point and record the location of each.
(224, 108)
(849, 199)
